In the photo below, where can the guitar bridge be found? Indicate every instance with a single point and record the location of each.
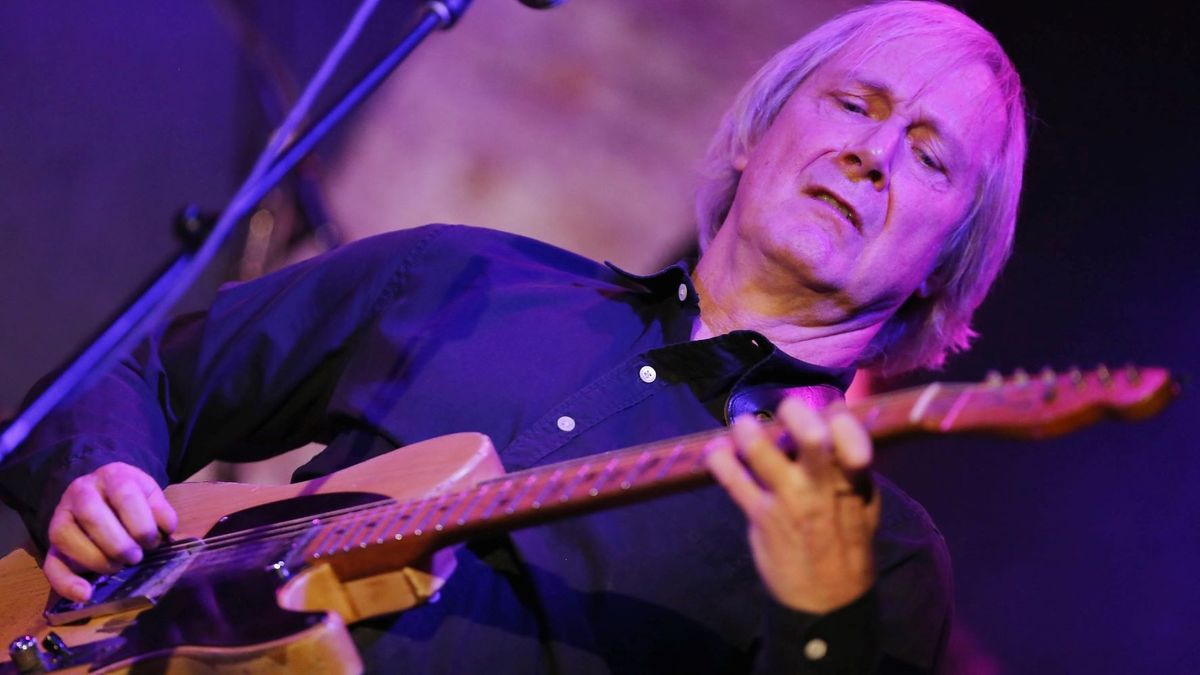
(134, 587)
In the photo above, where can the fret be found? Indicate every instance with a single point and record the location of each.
(955, 408)
(576, 480)
(391, 529)
(670, 461)
(410, 512)
(497, 500)
(516, 499)
(376, 519)
(418, 518)
(358, 524)
(419, 526)
(922, 405)
(327, 530)
(340, 528)
(456, 507)
(600, 481)
(554, 477)
(642, 460)
(465, 515)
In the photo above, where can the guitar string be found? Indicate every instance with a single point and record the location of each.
(655, 446)
(287, 528)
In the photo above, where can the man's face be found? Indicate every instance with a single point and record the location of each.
(868, 168)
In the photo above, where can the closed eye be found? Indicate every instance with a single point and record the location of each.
(928, 160)
(852, 106)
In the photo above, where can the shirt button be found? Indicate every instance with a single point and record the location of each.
(816, 649)
(647, 374)
(682, 292)
(566, 423)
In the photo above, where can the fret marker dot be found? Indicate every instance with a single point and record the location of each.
(566, 423)
(647, 374)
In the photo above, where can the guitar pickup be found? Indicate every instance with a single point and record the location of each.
(134, 587)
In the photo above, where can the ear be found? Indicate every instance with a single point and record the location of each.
(740, 161)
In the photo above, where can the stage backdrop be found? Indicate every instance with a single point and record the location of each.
(583, 126)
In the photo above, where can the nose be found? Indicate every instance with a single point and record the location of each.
(869, 157)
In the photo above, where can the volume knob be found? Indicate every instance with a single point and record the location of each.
(26, 655)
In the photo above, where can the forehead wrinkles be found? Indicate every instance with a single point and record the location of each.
(941, 65)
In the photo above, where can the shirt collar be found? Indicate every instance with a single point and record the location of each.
(671, 281)
(775, 364)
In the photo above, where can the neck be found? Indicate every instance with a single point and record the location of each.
(806, 324)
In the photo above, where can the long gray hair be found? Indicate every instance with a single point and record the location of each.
(924, 329)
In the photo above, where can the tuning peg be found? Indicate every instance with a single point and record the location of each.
(1020, 377)
(1132, 374)
(994, 378)
(1076, 376)
(1049, 384)
(1103, 375)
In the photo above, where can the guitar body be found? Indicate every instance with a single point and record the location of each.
(247, 614)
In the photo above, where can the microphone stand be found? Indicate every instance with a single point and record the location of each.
(203, 240)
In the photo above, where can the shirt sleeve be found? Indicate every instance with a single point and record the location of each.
(242, 382)
(845, 641)
(900, 626)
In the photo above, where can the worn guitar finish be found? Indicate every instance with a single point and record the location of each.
(264, 578)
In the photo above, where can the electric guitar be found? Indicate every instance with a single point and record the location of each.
(265, 578)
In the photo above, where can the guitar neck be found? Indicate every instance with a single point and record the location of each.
(1020, 406)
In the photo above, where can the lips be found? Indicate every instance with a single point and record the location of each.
(837, 203)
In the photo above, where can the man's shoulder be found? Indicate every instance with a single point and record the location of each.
(906, 528)
(468, 245)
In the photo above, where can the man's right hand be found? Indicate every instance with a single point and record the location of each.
(102, 523)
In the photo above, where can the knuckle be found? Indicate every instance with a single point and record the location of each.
(58, 534)
(90, 513)
(81, 485)
(124, 493)
(112, 470)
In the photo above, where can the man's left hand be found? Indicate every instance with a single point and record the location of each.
(811, 520)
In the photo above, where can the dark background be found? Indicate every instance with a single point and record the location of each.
(1080, 554)
(1072, 555)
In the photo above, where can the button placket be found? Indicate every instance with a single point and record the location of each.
(816, 649)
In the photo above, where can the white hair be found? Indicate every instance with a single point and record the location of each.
(924, 329)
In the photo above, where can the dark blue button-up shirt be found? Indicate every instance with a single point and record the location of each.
(426, 332)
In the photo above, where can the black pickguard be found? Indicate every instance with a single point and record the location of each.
(227, 604)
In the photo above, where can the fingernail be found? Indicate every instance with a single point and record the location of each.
(133, 556)
(81, 590)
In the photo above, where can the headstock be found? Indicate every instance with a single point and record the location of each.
(1023, 405)
(1049, 403)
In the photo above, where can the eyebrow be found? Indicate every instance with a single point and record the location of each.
(931, 121)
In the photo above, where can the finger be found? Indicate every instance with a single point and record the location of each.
(129, 503)
(812, 437)
(101, 525)
(857, 520)
(164, 514)
(67, 538)
(63, 579)
(767, 462)
(851, 442)
(734, 477)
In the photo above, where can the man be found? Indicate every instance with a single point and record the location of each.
(862, 200)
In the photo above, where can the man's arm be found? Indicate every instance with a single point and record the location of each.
(811, 523)
(243, 382)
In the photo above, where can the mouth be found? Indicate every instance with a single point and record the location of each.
(847, 211)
